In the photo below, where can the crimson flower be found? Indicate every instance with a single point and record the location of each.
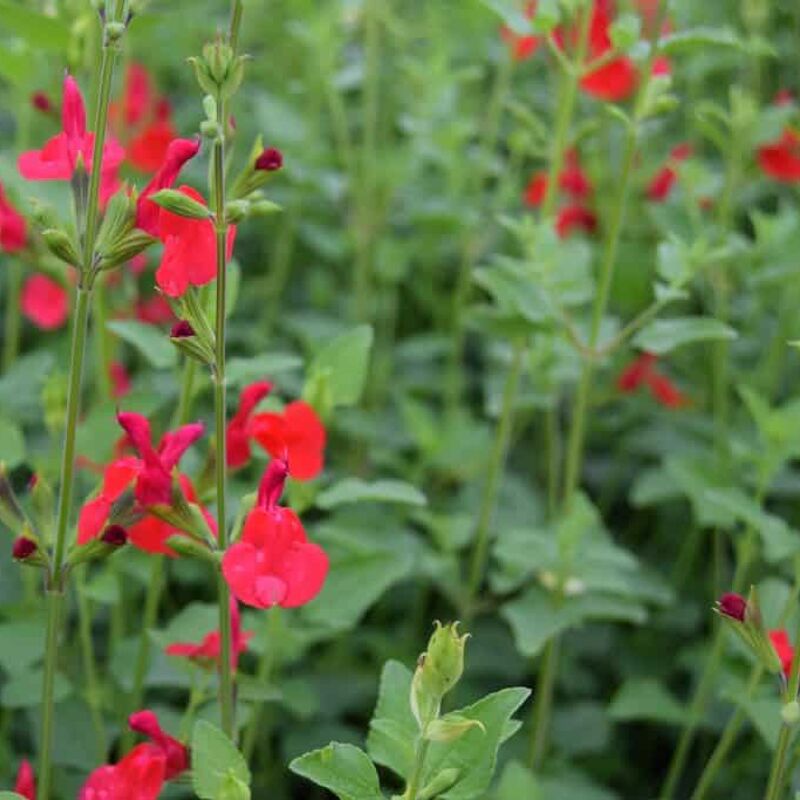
(575, 217)
(662, 182)
(642, 372)
(209, 649)
(190, 249)
(25, 783)
(780, 160)
(61, 153)
(177, 154)
(44, 302)
(732, 605)
(13, 228)
(175, 753)
(154, 309)
(522, 47)
(237, 447)
(297, 436)
(41, 102)
(783, 649)
(274, 563)
(120, 380)
(140, 775)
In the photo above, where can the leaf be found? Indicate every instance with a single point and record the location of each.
(664, 335)
(342, 364)
(354, 490)
(25, 689)
(149, 340)
(241, 371)
(23, 645)
(700, 37)
(214, 758)
(12, 443)
(646, 698)
(343, 769)
(11, 796)
(511, 15)
(38, 30)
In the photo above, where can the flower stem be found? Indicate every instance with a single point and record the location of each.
(103, 342)
(55, 599)
(413, 787)
(12, 329)
(545, 684)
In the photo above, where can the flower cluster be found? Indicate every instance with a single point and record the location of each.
(642, 372)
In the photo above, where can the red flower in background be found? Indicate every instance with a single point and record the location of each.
(297, 436)
(25, 783)
(239, 431)
(154, 309)
(780, 160)
(662, 182)
(175, 753)
(642, 372)
(13, 228)
(44, 302)
(139, 775)
(190, 249)
(522, 47)
(209, 649)
(274, 563)
(783, 649)
(143, 120)
(60, 155)
(575, 217)
(120, 380)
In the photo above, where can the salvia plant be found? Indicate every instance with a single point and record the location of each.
(326, 320)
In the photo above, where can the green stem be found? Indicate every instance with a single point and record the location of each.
(55, 600)
(413, 787)
(13, 326)
(235, 25)
(494, 473)
(184, 407)
(105, 346)
(551, 448)
(545, 684)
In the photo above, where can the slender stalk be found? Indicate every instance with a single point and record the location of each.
(494, 473)
(413, 787)
(541, 712)
(235, 24)
(55, 601)
(266, 665)
(105, 346)
(551, 449)
(11, 333)
(184, 407)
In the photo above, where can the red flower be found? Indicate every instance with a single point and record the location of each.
(634, 375)
(271, 159)
(783, 649)
(13, 228)
(59, 156)
(155, 310)
(780, 159)
(41, 102)
(239, 428)
(190, 249)
(665, 392)
(44, 302)
(662, 182)
(522, 47)
(175, 753)
(139, 775)
(178, 153)
(642, 372)
(536, 189)
(210, 648)
(575, 217)
(154, 478)
(297, 436)
(120, 379)
(615, 80)
(274, 563)
(25, 784)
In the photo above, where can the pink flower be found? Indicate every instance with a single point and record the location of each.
(44, 302)
(190, 249)
(175, 753)
(60, 155)
(139, 775)
(25, 784)
(274, 563)
(178, 153)
(209, 649)
(13, 228)
(239, 428)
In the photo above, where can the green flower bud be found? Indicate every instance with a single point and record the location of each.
(60, 244)
(180, 204)
(451, 727)
(790, 713)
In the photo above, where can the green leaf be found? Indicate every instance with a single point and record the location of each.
(343, 769)
(23, 645)
(214, 759)
(664, 335)
(241, 371)
(149, 340)
(12, 443)
(342, 364)
(38, 30)
(699, 38)
(11, 796)
(354, 490)
(646, 698)
(25, 689)
(510, 14)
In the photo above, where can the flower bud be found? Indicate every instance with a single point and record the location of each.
(180, 204)
(60, 244)
(115, 535)
(262, 162)
(41, 102)
(270, 160)
(181, 330)
(733, 606)
(23, 548)
(790, 713)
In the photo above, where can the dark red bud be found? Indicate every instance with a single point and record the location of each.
(733, 606)
(32, 481)
(115, 535)
(41, 102)
(270, 159)
(182, 330)
(23, 548)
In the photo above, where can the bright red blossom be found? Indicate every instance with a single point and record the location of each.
(44, 302)
(190, 249)
(642, 372)
(13, 228)
(522, 47)
(274, 563)
(780, 160)
(783, 649)
(663, 181)
(239, 430)
(120, 380)
(209, 649)
(25, 783)
(175, 753)
(297, 435)
(139, 775)
(575, 217)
